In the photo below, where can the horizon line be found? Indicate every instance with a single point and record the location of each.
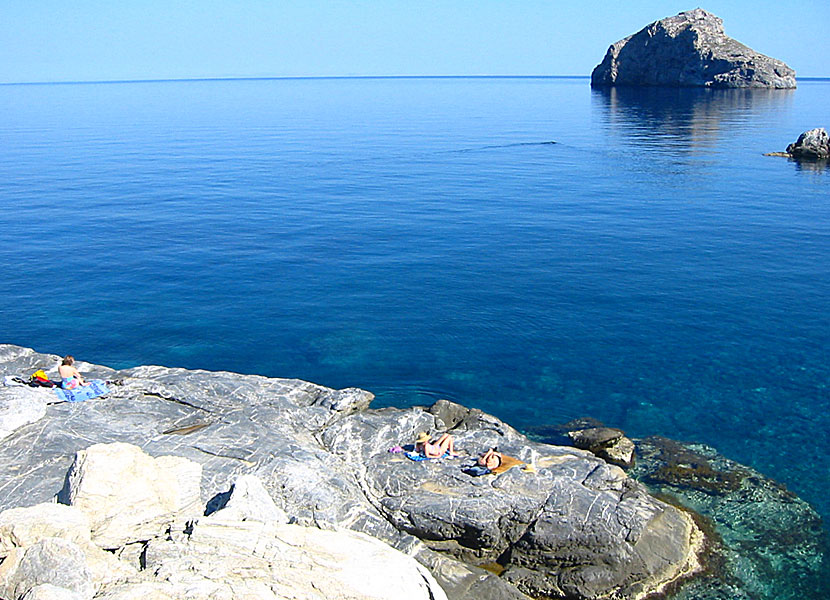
(312, 77)
(288, 77)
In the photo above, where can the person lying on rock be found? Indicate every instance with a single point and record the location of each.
(443, 445)
(492, 462)
(70, 377)
(490, 459)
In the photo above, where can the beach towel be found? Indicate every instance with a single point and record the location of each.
(96, 388)
(507, 463)
(417, 456)
(476, 471)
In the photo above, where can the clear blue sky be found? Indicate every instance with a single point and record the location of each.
(71, 40)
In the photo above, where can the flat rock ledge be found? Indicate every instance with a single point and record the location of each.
(689, 50)
(196, 484)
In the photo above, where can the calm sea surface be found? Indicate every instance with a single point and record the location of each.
(426, 239)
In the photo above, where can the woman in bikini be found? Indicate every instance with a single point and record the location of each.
(70, 377)
(436, 449)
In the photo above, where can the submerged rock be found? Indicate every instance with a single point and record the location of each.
(689, 50)
(765, 542)
(569, 525)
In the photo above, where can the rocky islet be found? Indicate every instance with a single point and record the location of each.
(690, 49)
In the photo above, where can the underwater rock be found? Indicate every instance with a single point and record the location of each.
(689, 50)
(762, 535)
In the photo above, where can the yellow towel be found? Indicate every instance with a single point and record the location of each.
(507, 463)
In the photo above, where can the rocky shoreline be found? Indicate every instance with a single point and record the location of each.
(300, 458)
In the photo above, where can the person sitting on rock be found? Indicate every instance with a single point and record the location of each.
(70, 377)
(440, 447)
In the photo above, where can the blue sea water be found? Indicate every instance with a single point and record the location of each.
(527, 246)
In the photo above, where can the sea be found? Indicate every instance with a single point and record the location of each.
(528, 246)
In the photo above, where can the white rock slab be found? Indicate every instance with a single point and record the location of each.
(130, 496)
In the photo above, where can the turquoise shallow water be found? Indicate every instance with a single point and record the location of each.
(424, 239)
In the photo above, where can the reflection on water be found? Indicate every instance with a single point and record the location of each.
(811, 166)
(690, 119)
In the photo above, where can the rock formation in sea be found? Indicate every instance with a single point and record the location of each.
(569, 525)
(811, 145)
(689, 50)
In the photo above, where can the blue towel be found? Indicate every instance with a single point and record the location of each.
(476, 471)
(417, 456)
(96, 388)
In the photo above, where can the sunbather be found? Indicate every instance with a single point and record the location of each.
(443, 445)
(70, 377)
(490, 459)
(493, 462)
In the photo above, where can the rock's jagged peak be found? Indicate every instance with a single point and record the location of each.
(691, 18)
(689, 49)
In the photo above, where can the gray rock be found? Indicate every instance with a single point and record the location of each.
(812, 145)
(247, 500)
(239, 552)
(689, 50)
(607, 443)
(322, 457)
(595, 437)
(620, 453)
(571, 504)
(252, 559)
(142, 590)
(23, 527)
(20, 406)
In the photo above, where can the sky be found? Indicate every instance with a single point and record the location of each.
(94, 40)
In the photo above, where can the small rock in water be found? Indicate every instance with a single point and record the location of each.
(607, 443)
(812, 144)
